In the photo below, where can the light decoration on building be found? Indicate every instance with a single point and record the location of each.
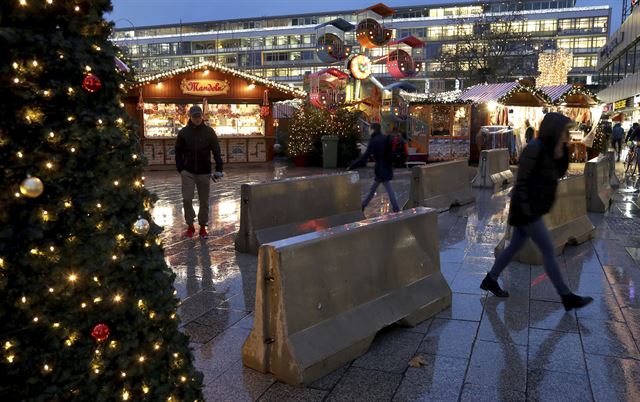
(554, 67)
(210, 65)
(446, 98)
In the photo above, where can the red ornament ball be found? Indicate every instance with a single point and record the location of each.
(100, 332)
(91, 83)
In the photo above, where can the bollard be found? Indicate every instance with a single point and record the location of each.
(322, 297)
(493, 171)
(599, 191)
(440, 185)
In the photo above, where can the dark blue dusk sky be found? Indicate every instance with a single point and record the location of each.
(155, 12)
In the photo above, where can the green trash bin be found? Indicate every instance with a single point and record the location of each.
(329, 151)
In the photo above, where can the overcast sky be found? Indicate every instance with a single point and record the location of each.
(154, 12)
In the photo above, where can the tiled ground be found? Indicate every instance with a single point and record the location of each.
(481, 349)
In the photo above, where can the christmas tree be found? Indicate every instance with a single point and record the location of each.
(87, 306)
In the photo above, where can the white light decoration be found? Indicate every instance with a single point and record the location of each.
(554, 66)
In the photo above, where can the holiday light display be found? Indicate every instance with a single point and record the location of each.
(88, 306)
(554, 67)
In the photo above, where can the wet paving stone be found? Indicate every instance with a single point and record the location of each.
(482, 348)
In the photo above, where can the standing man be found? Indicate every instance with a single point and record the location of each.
(528, 134)
(381, 148)
(194, 146)
(616, 139)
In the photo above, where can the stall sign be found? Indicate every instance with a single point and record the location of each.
(623, 104)
(204, 87)
(636, 100)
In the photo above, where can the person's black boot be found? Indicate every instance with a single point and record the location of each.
(493, 287)
(572, 301)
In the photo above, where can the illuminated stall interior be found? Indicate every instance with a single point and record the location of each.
(440, 125)
(237, 105)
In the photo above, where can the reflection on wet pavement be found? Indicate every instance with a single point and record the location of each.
(525, 347)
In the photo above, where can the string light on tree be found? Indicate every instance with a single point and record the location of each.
(64, 85)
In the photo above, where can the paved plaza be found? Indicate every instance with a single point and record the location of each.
(522, 348)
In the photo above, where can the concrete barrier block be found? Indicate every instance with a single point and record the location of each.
(599, 191)
(440, 185)
(613, 177)
(567, 222)
(286, 208)
(321, 297)
(493, 170)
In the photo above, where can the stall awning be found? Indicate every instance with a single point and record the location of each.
(556, 91)
(210, 65)
(571, 95)
(508, 93)
(484, 93)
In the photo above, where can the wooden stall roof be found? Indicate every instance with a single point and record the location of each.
(508, 93)
(571, 95)
(278, 90)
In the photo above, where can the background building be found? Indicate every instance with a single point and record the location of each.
(619, 67)
(283, 48)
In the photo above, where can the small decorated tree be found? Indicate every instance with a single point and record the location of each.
(87, 306)
(602, 137)
(310, 123)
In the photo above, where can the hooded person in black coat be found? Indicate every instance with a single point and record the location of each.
(542, 163)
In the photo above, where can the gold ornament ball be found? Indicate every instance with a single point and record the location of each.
(141, 227)
(31, 187)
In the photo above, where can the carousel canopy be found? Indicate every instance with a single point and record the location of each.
(570, 95)
(403, 85)
(381, 9)
(508, 93)
(339, 23)
(410, 41)
(212, 66)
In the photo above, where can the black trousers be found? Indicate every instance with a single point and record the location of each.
(616, 143)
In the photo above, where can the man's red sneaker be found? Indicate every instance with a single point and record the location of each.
(190, 231)
(203, 232)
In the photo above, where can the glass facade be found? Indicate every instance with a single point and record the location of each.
(625, 64)
(289, 52)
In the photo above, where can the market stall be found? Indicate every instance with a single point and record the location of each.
(502, 110)
(583, 107)
(237, 105)
(439, 126)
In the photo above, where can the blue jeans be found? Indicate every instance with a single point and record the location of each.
(538, 232)
(372, 193)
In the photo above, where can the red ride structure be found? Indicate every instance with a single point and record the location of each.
(328, 88)
(370, 33)
(400, 63)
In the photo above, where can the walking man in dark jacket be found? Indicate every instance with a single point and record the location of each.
(194, 146)
(380, 147)
(542, 163)
(616, 139)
